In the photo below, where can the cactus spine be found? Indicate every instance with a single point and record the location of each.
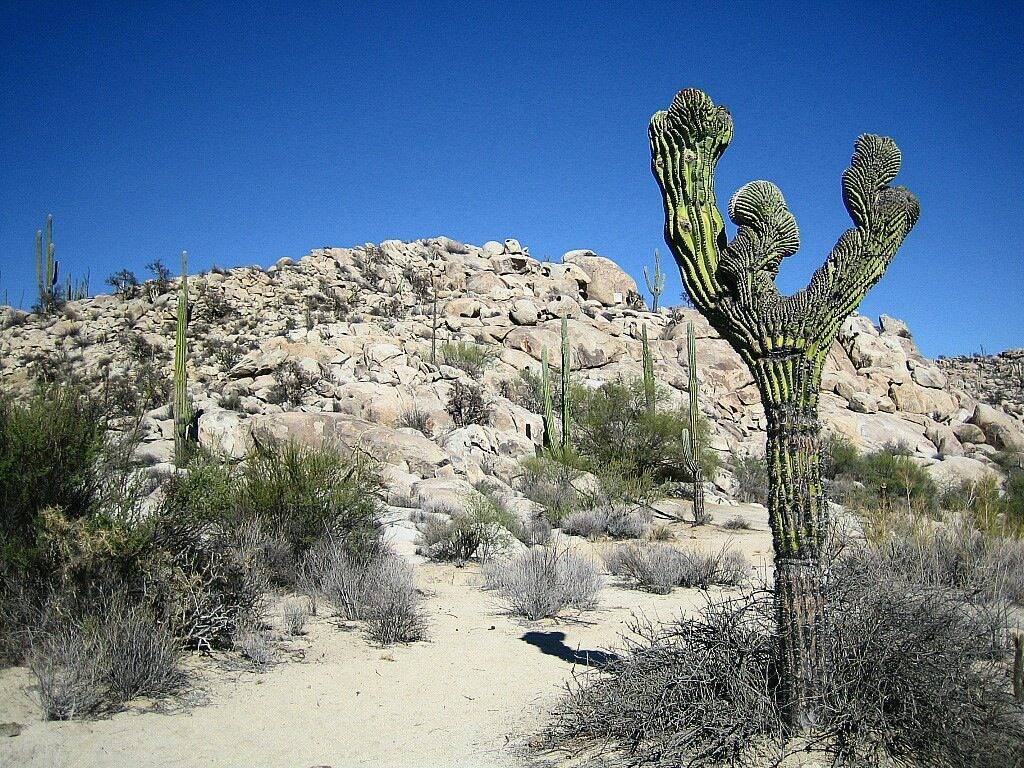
(46, 267)
(691, 448)
(655, 282)
(784, 340)
(648, 361)
(566, 398)
(182, 406)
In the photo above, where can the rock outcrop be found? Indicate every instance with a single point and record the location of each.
(336, 346)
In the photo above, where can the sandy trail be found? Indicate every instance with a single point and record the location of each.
(465, 698)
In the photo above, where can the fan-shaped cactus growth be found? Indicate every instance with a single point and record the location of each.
(782, 339)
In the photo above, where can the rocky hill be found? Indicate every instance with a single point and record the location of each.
(994, 379)
(337, 345)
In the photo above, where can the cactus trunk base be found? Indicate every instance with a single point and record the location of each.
(700, 514)
(800, 616)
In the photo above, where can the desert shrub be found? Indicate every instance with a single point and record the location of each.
(252, 642)
(230, 402)
(468, 356)
(616, 520)
(751, 475)
(143, 656)
(304, 494)
(612, 426)
(295, 613)
(51, 452)
(902, 660)
(124, 283)
(999, 511)
(543, 581)
(395, 614)
(161, 281)
(415, 418)
(661, 567)
(292, 383)
(466, 404)
(69, 667)
(378, 588)
(839, 456)
(892, 477)
(553, 484)
(626, 523)
(484, 528)
(736, 523)
(589, 523)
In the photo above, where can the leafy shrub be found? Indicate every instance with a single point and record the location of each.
(466, 404)
(894, 479)
(291, 384)
(839, 456)
(482, 530)
(543, 581)
(661, 567)
(751, 475)
(552, 484)
(468, 356)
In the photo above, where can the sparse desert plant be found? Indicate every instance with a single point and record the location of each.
(589, 523)
(252, 642)
(415, 418)
(543, 581)
(230, 402)
(485, 527)
(627, 523)
(468, 356)
(751, 475)
(661, 567)
(69, 666)
(395, 614)
(295, 613)
(143, 657)
(292, 383)
(552, 484)
(736, 523)
(466, 404)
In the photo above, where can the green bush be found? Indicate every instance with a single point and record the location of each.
(468, 356)
(552, 483)
(839, 456)
(893, 478)
(483, 529)
(751, 473)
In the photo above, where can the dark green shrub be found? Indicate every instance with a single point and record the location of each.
(895, 479)
(751, 474)
(468, 356)
(839, 456)
(466, 404)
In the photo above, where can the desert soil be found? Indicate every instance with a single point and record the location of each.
(468, 697)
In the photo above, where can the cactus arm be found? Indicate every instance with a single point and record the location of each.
(656, 282)
(566, 397)
(182, 406)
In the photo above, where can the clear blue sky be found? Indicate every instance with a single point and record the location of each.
(245, 135)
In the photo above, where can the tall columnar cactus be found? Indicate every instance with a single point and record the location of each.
(47, 267)
(783, 340)
(182, 406)
(648, 363)
(690, 436)
(655, 282)
(566, 392)
(547, 400)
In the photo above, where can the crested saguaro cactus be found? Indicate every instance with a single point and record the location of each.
(655, 282)
(182, 405)
(782, 339)
(47, 267)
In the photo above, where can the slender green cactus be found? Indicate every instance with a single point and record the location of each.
(655, 282)
(47, 267)
(566, 393)
(784, 340)
(691, 447)
(648, 363)
(547, 399)
(182, 406)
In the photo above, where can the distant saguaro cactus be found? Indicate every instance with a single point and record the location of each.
(648, 365)
(783, 340)
(47, 267)
(655, 282)
(691, 435)
(182, 405)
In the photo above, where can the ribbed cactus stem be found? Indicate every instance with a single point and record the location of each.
(648, 361)
(546, 399)
(47, 267)
(691, 447)
(566, 397)
(182, 406)
(655, 282)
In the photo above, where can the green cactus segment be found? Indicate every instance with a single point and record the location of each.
(547, 400)
(655, 282)
(784, 340)
(691, 448)
(648, 363)
(47, 267)
(566, 398)
(182, 405)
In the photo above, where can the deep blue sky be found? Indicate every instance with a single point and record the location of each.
(245, 135)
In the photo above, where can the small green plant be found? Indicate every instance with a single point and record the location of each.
(469, 357)
(183, 415)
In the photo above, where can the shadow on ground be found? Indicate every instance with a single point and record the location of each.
(553, 644)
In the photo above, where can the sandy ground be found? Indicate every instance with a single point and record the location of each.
(467, 697)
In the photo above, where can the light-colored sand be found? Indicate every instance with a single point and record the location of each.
(466, 697)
